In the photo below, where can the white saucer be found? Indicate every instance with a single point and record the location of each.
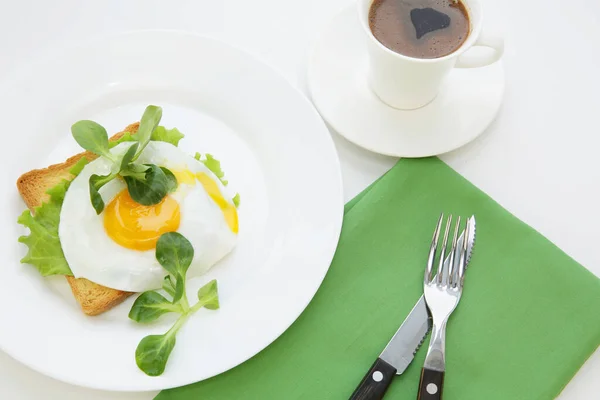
(464, 108)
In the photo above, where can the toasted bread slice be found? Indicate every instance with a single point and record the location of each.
(93, 298)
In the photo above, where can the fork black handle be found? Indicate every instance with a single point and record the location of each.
(431, 385)
(376, 382)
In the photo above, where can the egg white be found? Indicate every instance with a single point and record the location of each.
(93, 255)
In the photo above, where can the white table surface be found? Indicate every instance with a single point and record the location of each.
(538, 159)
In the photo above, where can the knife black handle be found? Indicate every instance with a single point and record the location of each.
(376, 382)
(431, 385)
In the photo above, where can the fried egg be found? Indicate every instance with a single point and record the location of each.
(116, 249)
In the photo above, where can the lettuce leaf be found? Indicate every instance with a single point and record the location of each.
(45, 252)
(127, 137)
(214, 166)
(161, 134)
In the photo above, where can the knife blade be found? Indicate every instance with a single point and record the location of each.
(417, 324)
(420, 314)
(401, 349)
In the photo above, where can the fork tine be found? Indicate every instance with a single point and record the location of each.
(463, 256)
(432, 250)
(451, 269)
(441, 273)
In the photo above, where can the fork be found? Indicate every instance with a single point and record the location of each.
(442, 293)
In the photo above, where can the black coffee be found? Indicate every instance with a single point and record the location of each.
(420, 28)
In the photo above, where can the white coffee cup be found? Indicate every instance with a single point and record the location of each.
(408, 83)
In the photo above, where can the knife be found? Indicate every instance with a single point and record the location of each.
(401, 349)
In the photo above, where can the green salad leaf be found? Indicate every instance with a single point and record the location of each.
(128, 156)
(95, 183)
(214, 166)
(208, 296)
(175, 254)
(168, 285)
(45, 252)
(171, 180)
(151, 305)
(150, 187)
(147, 184)
(160, 134)
(127, 137)
(179, 294)
(148, 123)
(163, 134)
(92, 137)
(137, 171)
(153, 352)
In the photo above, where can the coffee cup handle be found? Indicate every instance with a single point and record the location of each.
(496, 43)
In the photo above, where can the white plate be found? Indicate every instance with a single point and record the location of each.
(337, 70)
(276, 152)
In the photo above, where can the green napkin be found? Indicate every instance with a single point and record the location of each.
(527, 321)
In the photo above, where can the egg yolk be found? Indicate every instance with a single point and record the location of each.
(136, 226)
(229, 211)
(184, 176)
(210, 186)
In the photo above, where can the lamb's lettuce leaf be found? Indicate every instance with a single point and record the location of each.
(92, 137)
(148, 124)
(175, 254)
(153, 187)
